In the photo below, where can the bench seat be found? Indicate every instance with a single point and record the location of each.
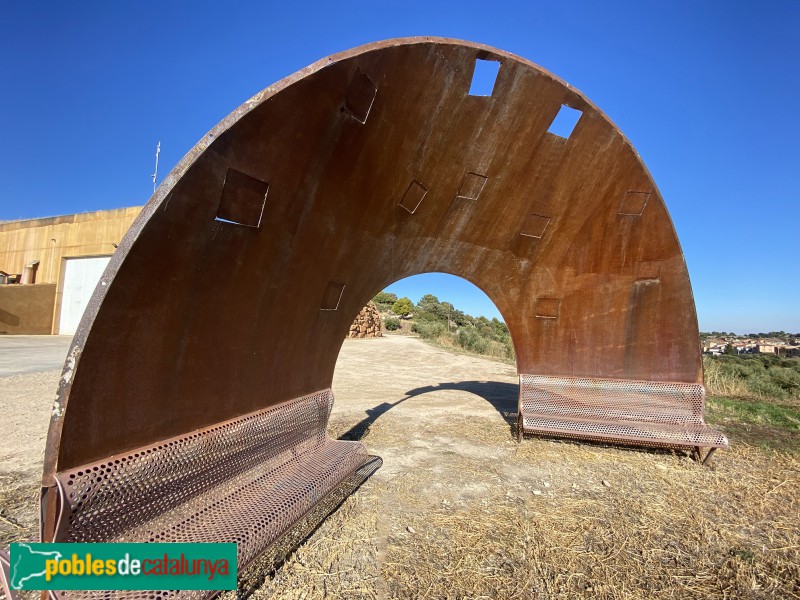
(641, 413)
(248, 481)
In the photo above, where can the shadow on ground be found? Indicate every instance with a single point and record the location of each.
(502, 396)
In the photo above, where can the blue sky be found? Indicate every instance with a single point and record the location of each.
(708, 92)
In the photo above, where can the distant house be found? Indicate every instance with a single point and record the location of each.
(789, 351)
(773, 346)
(745, 348)
(714, 346)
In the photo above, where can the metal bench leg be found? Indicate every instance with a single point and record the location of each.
(697, 454)
(708, 456)
(519, 427)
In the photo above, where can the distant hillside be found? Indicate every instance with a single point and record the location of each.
(789, 338)
(444, 324)
(756, 377)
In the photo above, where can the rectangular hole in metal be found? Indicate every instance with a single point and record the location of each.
(472, 186)
(484, 77)
(547, 308)
(360, 97)
(633, 203)
(565, 121)
(535, 226)
(242, 200)
(413, 196)
(649, 270)
(332, 296)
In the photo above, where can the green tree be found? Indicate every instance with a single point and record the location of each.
(431, 309)
(403, 307)
(427, 300)
(729, 349)
(385, 298)
(460, 319)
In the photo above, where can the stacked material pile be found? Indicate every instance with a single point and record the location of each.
(367, 323)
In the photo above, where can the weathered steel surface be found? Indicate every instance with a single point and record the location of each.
(366, 167)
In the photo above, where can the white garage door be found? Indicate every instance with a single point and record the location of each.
(80, 279)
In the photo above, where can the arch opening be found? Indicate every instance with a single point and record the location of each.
(374, 376)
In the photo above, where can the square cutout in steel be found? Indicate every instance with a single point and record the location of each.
(332, 296)
(413, 196)
(648, 270)
(564, 122)
(360, 96)
(472, 186)
(547, 308)
(484, 77)
(535, 226)
(243, 199)
(633, 203)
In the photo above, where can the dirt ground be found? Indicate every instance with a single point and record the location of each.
(461, 510)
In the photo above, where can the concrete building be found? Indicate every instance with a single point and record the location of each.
(768, 348)
(59, 261)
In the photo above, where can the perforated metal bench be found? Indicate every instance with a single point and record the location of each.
(247, 480)
(5, 572)
(642, 413)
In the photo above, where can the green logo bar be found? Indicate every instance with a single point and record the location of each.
(123, 566)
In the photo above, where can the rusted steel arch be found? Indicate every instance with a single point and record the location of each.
(235, 287)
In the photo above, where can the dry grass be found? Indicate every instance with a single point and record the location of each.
(720, 383)
(556, 520)
(19, 506)
(542, 519)
(757, 377)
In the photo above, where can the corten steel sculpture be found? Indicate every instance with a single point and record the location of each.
(366, 167)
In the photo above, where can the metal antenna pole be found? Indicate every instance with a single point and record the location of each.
(155, 173)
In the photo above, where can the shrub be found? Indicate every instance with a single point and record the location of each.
(753, 376)
(487, 332)
(471, 340)
(428, 329)
(391, 323)
(508, 347)
(429, 316)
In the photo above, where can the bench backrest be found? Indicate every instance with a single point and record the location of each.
(103, 500)
(612, 399)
